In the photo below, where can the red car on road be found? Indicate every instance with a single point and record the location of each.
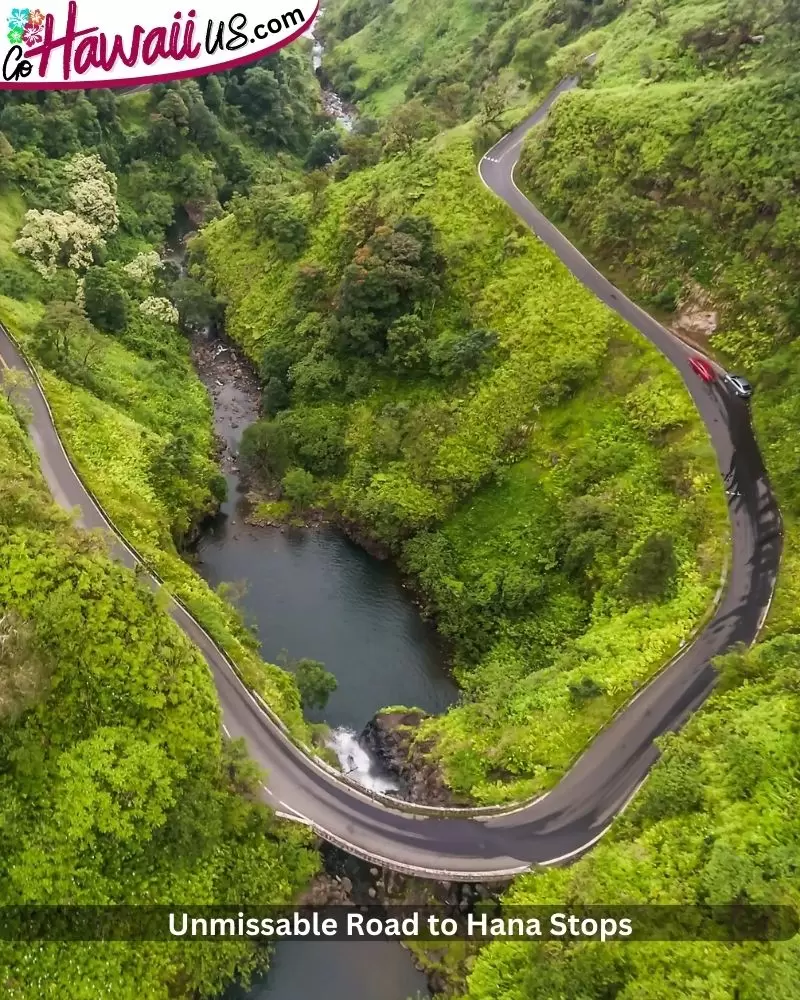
(703, 368)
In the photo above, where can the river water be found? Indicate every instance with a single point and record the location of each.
(313, 593)
(337, 970)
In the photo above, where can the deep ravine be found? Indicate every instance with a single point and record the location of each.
(311, 592)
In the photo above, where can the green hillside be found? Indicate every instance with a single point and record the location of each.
(529, 459)
(116, 785)
(436, 382)
(540, 487)
(383, 53)
(674, 166)
(134, 416)
(714, 823)
(684, 181)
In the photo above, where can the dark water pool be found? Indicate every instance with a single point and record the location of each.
(337, 970)
(313, 593)
(316, 594)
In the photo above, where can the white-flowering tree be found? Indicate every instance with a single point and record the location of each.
(143, 267)
(160, 309)
(93, 191)
(53, 239)
(89, 166)
(58, 239)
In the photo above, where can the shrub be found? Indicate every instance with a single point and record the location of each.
(316, 684)
(299, 487)
(265, 449)
(105, 300)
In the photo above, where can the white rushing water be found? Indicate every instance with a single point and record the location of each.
(331, 102)
(358, 763)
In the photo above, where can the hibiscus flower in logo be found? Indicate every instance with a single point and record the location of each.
(32, 33)
(16, 24)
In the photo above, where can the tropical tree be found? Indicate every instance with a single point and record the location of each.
(530, 58)
(316, 684)
(299, 487)
(408, 125)
(105, 301)
(265, 449)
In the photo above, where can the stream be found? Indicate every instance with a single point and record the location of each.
(311, 592)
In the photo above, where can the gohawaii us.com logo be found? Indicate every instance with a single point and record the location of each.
(99, 44)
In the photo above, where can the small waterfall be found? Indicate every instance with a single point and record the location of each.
(358, 764)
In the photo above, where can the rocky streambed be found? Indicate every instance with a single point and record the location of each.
(312, 592)
(315, 593)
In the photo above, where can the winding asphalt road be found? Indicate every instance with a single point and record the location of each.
(574, 815)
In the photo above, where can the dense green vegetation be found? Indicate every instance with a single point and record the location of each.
(449, 389)
(135, 418)
(678, 168)
(674, 165)
(457, 55)
(533, 465)
(715, 823)
(438, 382)
(114, 784)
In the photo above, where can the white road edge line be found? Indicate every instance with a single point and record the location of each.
(294, 811)
(294, 819)
(603, 832)
(299, 817)
(763, 616)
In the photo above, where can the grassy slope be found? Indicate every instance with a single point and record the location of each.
(677, 170)
(115, 788)
(701, 201)
(492, 470)
(715, 822)
(457, 40)
(717, 819)
(404, 38)
(724, 225)
(409, 47)
(107, 438)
